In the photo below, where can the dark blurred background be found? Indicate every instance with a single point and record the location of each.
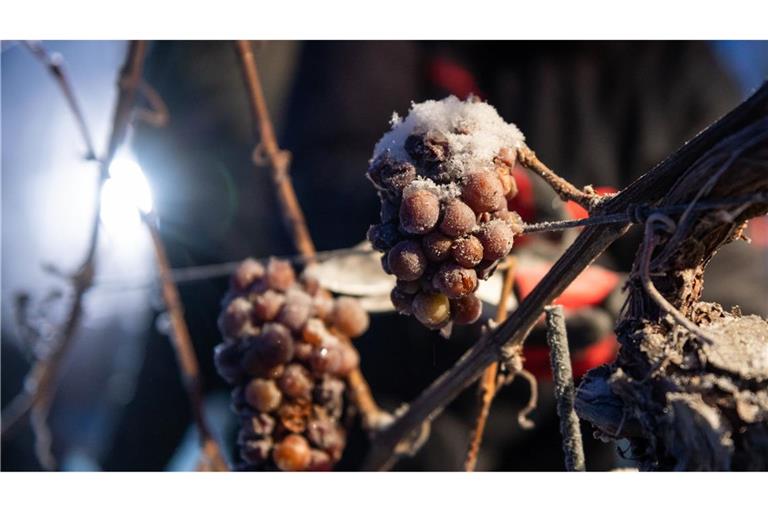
(600, 113)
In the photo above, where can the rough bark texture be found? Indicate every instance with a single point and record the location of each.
(691, 400)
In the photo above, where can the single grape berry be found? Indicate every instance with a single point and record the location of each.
(322, 304)
(296, 382)
(280, 275)
(325, 360)
(296, 310)
(431, 309)
(402, 301)
(397, 175)
(513, 220)
(430, 147)
(383, 236)
(292, 453)
(246, 273)
(466, 310)
(266, 305)
(455, 281)
(349, 317)
(407, 261)
(226, 357)
(419, 211)
(467, 252)
(497, 239)
(235, 320)
(349, 360)
(314, 331)
(458, 219)
(436, 246)
(263, 395)
(273, 347)
(482, 191)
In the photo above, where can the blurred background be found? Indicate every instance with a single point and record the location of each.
(599, 113)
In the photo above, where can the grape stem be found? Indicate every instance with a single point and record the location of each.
(590, 243)
(39, 384)
(587, 198)
(279, 162)
(486, 390)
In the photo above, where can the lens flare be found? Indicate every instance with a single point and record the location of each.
(124, 194)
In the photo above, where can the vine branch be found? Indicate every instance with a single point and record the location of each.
(590, 243)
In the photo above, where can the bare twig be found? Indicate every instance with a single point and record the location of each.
(486, 389)
(54, 63)
(566, 190)
(562, 374)
(40, 381)
(277, 158)
(185, 352)
(279, 161)
(589, 245)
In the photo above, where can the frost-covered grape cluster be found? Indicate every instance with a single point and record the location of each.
(444, 176)
(287, 349)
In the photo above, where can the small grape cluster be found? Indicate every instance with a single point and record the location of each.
(443, 225)
(287, 350)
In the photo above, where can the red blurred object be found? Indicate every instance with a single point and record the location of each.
(453, 77)
(757, 230)
(576, 211)
(589, 289)
(523, 203)
(601, 352)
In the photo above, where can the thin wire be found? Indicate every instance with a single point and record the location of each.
(640, 213)
(635, 215)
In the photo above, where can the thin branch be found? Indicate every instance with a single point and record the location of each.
(566, 190)
(39, 385)
(54, 64)
(185, 352)
(486, 390)
(277, 158)
(562, 374)
(588, 245)
(279, 161)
